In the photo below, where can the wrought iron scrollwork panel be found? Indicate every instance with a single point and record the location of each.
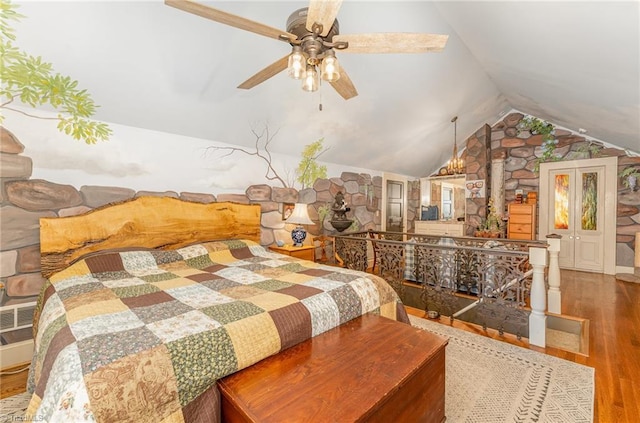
(504, 290)
(502, 277)
(436, 269)
(467, 271)
(494, 271)
(504, 319)
(352, 252)
(391, 263)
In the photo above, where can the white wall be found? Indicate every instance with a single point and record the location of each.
(142, 159)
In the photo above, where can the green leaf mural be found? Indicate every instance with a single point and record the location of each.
(33, 82)
(308, 169)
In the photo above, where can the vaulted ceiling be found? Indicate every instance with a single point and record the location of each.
(152, 66)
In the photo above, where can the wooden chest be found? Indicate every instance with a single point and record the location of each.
(522, 221)
(371, 369)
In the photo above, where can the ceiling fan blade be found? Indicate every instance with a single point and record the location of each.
(266, 73)
(344, 86)
(223, 17)
(391, 42)
(323, 12)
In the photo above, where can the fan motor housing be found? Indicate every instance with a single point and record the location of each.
(297, 24)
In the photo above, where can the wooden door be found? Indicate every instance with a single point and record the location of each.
(395, 206)
(589, 214)
(577, 215)
(394, 202)
(575, 203)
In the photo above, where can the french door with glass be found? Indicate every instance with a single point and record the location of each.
(575, 204)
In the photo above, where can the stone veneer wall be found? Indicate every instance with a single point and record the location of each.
(477, 158)
(521, 149)
(23, 201)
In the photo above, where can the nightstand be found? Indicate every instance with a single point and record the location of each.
(306, 252)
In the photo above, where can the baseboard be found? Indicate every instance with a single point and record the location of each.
(624, 269)
(15, 353)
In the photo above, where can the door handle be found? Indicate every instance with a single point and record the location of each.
(577, 237)
(570, 236)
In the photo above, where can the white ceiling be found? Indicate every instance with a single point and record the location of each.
(152, 66)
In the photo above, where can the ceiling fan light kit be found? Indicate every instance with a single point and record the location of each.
(313, 49)
(314, 35)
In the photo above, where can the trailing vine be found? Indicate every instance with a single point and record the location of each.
(549, 142)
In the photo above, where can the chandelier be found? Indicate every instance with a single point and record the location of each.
(312, 56)
(455, 166)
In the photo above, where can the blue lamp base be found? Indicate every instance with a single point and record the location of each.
(298, 235)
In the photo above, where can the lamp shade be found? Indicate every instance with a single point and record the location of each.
(299, 216)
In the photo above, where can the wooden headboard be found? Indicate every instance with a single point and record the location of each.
(147, 222)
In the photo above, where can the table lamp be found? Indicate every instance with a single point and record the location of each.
(299, 216)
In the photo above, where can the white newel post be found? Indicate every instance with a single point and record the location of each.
(538, 318)
(554, 297)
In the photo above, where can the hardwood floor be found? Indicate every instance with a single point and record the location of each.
(613, 308)
(14, 382)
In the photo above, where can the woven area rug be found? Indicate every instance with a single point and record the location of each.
(487, 381)
(12, 409)
(492, 381)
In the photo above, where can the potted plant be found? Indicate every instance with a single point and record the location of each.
(491, 227)
(630, 176)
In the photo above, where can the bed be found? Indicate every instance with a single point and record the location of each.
(150, 301)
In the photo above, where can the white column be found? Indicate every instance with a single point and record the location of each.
(497, 184)
(554, 296)
(538, 318)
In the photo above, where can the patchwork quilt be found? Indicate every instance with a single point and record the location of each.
(143, 335)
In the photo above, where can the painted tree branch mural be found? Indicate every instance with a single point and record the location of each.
(262, 141)
(308, 169)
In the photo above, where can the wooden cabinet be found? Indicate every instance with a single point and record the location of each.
(522, 221)
(434, 227)
(305, 252)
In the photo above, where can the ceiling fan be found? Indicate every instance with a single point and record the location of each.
(314, 35)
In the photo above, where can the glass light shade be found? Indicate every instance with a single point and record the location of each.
(330, 68)
(311, 81)
(295, 67)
